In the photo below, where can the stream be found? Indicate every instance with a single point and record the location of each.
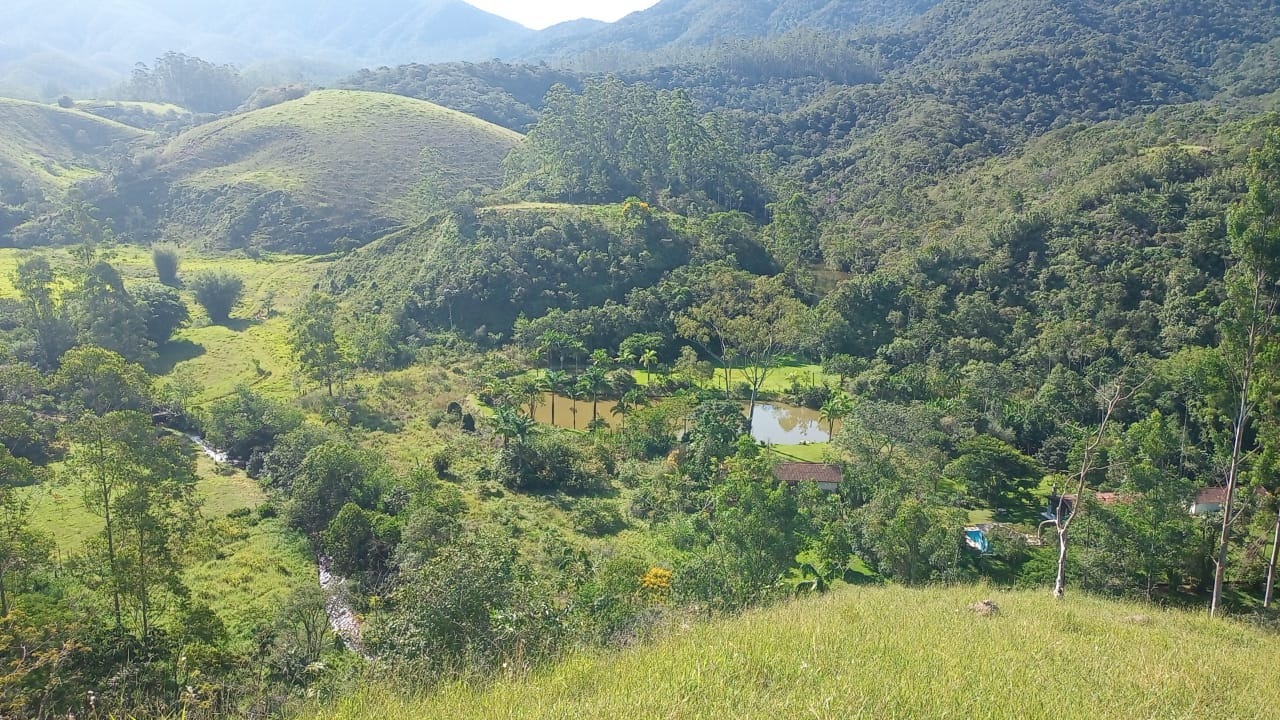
(342, 617)
(214, 454)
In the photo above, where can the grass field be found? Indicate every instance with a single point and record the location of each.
(243, 568)
(219, 357)
(890, 652)
(778, 380)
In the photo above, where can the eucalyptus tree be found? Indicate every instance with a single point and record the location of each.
(21, 547)
(141, 482)
(47, 320)
(1248, 332)
(313, 334)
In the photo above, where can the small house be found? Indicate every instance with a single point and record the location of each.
(1208, 501)
(1068, 502)
(827, 476)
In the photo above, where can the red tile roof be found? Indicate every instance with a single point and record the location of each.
(792, 473)
(1212, 495)
(1108, 498)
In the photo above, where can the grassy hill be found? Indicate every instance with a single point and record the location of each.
(45, 149)
(334, 164)
(890, 652)
(142, 115)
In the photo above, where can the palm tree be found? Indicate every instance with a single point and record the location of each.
(553, 382)
(593, 384)
(577, 349)
(648, 359)
(511, 425)
(529, 390)
(836, 407)
(629, 402)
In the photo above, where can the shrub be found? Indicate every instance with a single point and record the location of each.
(598, 517)
(166, 261)
(217, 292)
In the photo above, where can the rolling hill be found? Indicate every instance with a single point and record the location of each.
(334, 164)
(44, 150)
(892, 653)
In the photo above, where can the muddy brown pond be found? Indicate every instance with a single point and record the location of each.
(775, 423)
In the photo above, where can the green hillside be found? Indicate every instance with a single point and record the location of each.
(334, 164)
(142, 115)
(44, 150)
(894, 653)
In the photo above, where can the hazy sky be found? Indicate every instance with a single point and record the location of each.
(538, 14)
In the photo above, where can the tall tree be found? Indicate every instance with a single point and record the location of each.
(754, 320)
(20, 546)
(1248, 336)
(36, 280)
(142, 486)
(314, 336)
(100, 381)
(1111, 396)
(106, 315)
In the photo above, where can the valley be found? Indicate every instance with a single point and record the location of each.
(719, 361)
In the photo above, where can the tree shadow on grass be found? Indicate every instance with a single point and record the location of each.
(239, 325)
(174, 352)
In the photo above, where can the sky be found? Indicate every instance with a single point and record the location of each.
(538, 14)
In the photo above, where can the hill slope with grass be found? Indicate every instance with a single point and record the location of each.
(891, 652)
(335, 164)
(45, 149)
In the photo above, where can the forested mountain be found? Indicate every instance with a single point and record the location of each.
(684, 24)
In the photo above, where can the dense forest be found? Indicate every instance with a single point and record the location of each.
(1013, 265)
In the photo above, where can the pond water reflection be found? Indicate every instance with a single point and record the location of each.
(775, 423)
(788, 425)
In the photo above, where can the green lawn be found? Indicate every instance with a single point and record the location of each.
(813, 452)
(778, 380)
(890, 652)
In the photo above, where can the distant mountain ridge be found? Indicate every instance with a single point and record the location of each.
(55, 46)
(675, 24)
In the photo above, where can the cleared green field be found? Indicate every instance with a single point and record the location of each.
(813, 452)
(255, 568)
(220, 357)
(58, 508)
(778, 380)
(890, 652)
(244, 568)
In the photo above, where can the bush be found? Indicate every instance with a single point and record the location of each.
(475, 607)
(166, 261)
(598, 517)
(217, 292)
(551, 462)
(245, 421)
